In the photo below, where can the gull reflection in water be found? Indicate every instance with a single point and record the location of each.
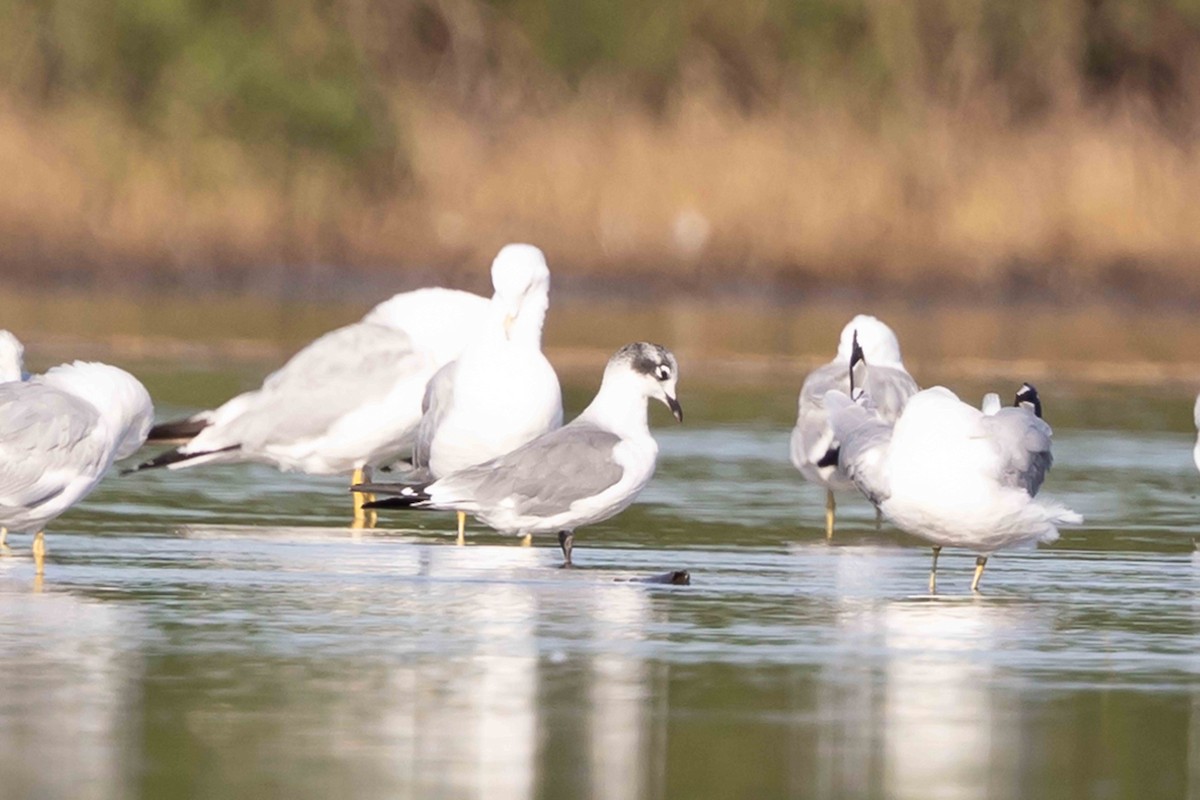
(949, 732)
(67, 689)
(1193, 767)
(627, 726)
(910, 706)
(475, 713)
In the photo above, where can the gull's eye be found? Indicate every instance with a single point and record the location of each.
(662, 372)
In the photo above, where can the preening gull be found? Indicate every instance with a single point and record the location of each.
(501, 392)
(439, 323)
(587, 471)
(813, 446)
(59, 434)
(349, 401)
(950, 474)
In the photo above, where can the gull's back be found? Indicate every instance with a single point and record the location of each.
(52, 451)
(318, 396)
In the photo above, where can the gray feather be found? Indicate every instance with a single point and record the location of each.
(1022, 442)
(546, 476)
(439, 397)
(42, 431)
(333, 376)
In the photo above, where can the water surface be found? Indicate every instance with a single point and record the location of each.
(224, 633)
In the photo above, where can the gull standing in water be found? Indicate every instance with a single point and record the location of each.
(586, 471)
(59, 434)
(501, 392)
(813, 446)
(349, 401)
(950, 474)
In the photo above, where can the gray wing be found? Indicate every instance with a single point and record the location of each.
(1022, 443)
(337, 355)
(439, 396)
(545, 476)
(44, 441)
(889, 390)
(863, 439)
(812, 437)
(343, 370)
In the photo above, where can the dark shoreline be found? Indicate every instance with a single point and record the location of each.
(1020, 285)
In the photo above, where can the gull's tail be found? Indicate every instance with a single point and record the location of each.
(177, 430)
(403, 495)
(1048, 515)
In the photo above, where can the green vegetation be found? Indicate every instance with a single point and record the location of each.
(794, 140)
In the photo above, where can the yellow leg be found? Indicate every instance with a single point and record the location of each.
(980, 563)
(462, 528)
(527, 540)
(4, 538)
(937, 550)
(830, 511)
(363, 517)
(39, 552)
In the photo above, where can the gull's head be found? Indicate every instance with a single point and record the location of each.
(879, 345)
(122, 400)
(521, 281)
(12, 358)
(1027, 398)
(654, 370)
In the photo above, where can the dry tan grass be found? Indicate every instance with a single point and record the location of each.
(704, 196)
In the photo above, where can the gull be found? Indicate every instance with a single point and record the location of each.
(439, 323)
(59, 434)
(950, 474)
(586, 471)
(501, 392)
(813, 447)
(349, 401)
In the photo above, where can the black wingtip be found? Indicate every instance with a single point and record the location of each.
(856, 357)
(176, 430)
(402, 495)
(830, 459)
(173, 457)
(393, 502)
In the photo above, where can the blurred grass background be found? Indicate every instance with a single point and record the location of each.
(1027, 149)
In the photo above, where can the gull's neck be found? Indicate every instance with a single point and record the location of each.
(122, 403)
(531, 318)
(619, 406)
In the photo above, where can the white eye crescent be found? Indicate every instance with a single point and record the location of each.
(662, 372)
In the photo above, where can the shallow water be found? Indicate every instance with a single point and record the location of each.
(223, 633)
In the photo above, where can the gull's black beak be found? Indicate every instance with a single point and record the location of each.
(676, 409)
